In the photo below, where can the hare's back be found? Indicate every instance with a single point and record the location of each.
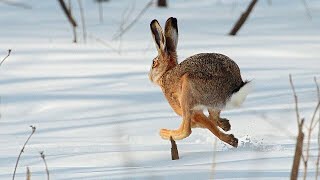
(211, 64)
(214, 77)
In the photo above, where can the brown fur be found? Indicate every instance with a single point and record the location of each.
(203, 80)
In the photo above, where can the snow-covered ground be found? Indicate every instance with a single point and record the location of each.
(98, 116)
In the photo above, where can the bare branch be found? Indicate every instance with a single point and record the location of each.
(22, 150)
(9, 52)
(314, 123)
(295, 99)
(67, 13)
(133, 21)
(242, 18)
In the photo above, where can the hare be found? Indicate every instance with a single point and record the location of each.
(205, 81)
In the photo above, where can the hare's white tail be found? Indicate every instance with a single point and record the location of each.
(238, 97)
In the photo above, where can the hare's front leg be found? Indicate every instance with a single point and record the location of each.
(181, 133)
(186, 104)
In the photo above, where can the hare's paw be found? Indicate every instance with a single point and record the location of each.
(232, 141)
(175, 134)
(224, 124)
(165, 133)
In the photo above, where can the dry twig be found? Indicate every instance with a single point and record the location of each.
(9, 52)
(295, 100)
(174, 150)
(22, 150)
(67, 12)
(310, 129)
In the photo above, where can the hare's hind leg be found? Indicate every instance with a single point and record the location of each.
(223, 123)
(201, 119)
(186, 102)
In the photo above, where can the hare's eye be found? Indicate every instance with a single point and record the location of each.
(154, 63)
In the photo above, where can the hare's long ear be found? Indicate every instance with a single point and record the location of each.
(171, 34)
(158, 36)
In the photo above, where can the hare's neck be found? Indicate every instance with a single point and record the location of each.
(173, 60)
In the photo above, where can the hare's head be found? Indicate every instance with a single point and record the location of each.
(166, 45)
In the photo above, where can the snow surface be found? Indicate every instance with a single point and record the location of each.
(98, 116)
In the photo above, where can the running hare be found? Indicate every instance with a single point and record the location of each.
(205, 81)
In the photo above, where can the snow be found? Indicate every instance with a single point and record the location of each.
(98, 116)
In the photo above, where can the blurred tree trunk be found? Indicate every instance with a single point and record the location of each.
(242, 18)
(162, 3)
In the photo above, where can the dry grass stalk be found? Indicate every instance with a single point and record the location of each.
(310, 129)
(28, 174)
(22, 150)
(305, 157)
(83, 22)
(318, 158)
(43, 156)
(213, 167)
